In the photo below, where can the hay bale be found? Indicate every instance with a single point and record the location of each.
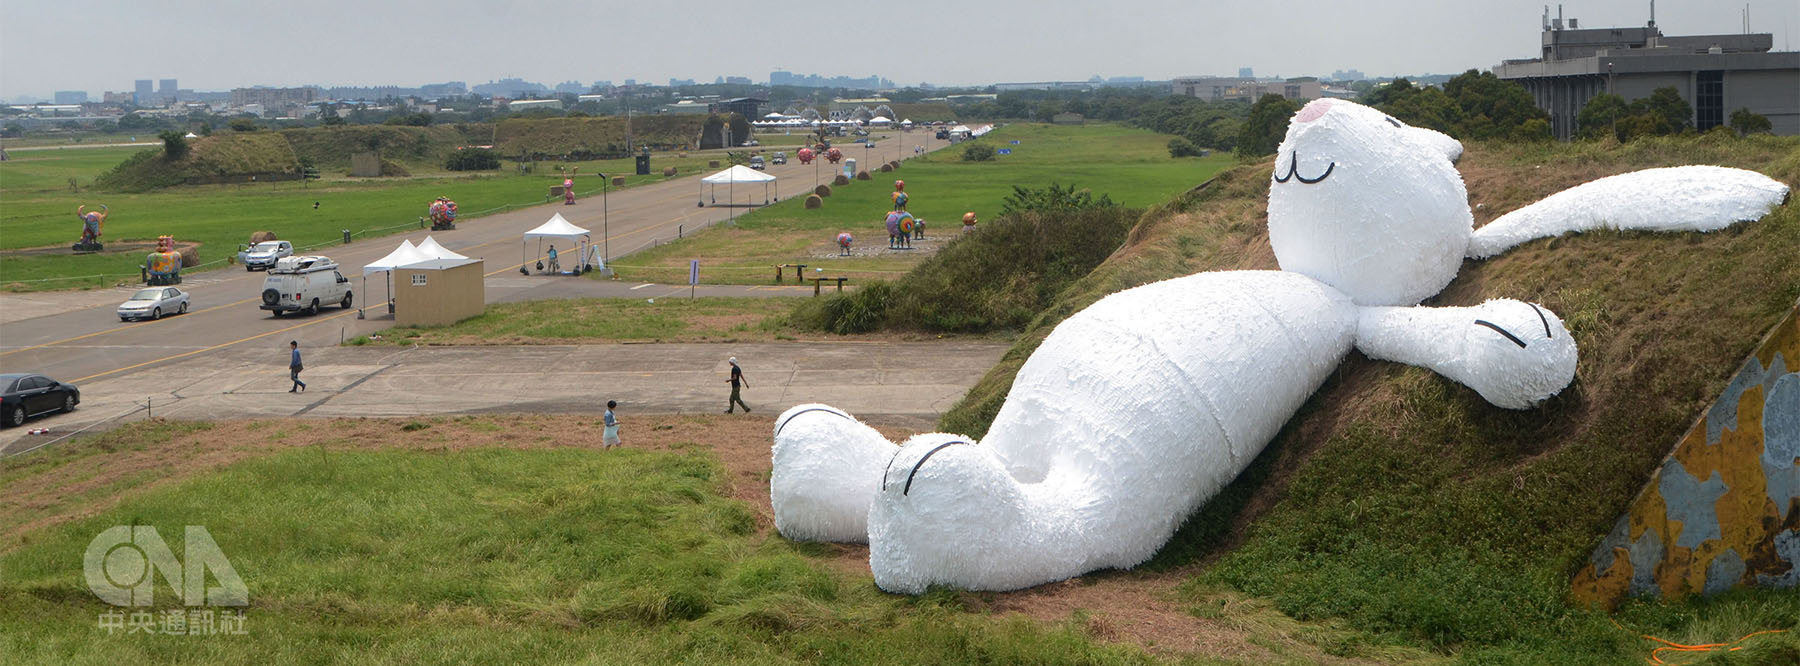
(190, 255)
(714, 164)
(863, 175)
(618, 181)
(261, 236)
(895, 164)
(668, 172)
(886, 168)
(682, 154)
(822, 190)
(840, 180)
(813, 201)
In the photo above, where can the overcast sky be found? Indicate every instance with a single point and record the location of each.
(99, 45)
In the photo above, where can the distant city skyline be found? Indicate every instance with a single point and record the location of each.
(96, 46)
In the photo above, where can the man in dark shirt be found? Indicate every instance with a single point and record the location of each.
(294, 366)
(737, 377)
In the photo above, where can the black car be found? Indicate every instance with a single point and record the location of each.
(24, 394)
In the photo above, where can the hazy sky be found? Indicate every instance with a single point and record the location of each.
(98, 45)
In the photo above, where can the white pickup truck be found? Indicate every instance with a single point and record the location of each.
(303, 283)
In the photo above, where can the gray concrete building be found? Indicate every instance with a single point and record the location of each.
(1217, 88)
(1716, 74)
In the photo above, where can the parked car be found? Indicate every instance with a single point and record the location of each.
(24, 395)
(756, 162)
(154, 302)
(780, 158)
(264, 255)
(303, 283)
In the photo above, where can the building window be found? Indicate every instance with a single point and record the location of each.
(1709, 100)
(418, 279)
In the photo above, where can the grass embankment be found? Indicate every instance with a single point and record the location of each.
(40, 205)
(608, 320)
(510, 539)
(524, 138)
(1402, 502)
(1130, 165)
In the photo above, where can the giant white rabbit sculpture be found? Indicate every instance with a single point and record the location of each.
(1138, 409)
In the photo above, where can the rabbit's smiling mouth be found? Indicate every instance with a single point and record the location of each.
(1294, 171)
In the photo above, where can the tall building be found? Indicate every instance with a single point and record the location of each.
(144, 93)
(1716, 74)
(166, 89)
(71, 97)
(1246, 73)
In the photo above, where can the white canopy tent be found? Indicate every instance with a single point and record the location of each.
(881, 120)
(432, 250)
(405, 255)
(738, 173)
(557, 227)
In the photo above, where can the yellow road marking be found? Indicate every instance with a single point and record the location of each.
(217, 346)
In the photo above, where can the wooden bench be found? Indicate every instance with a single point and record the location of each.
(798, 270)
(818, 281)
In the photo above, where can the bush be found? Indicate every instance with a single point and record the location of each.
(1181, 147)
(473, 159)
(175, 145)
(997, 279)
(978, 152)
(244, 125)
(1052, 199)
(1748, 122)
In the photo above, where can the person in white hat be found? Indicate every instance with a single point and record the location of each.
(737, 377)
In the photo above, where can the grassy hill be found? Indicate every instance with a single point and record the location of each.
(1402, 502)
(412, 148)
(601, 135)
(224, 157)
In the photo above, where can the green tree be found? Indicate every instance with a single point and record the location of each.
(410, 120)
(473, 159)
(244, 125)
(1667, 106)
(1748, 122)
(1052, 199)
(1181, 147)
(1268, 123)
(978, 152)
(1600, 116)
(175, 145)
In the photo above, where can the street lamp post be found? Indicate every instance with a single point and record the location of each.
(605, 223)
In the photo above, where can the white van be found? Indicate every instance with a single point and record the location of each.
(304, 283)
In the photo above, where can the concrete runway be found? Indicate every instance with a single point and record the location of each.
(77, 337)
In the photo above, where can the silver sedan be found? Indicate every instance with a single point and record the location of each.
(153, 303)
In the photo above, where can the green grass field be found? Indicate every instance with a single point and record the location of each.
(608, 319)
(509, 556)
(1130, 165)
(37, 208)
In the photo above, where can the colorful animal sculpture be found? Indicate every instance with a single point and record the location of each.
(834, 155)
(1135, 411)
(163, 267)
(92, 224)
(443, 214)
(843, 241)
(805, 155)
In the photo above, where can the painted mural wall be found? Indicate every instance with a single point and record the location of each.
(1724, 508)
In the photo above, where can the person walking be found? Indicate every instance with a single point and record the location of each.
(611, 438)
(294, 366)
(737, 377)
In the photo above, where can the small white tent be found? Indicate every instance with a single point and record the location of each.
(555, 228)
(405, 255)
(738, 173)
(432, 250)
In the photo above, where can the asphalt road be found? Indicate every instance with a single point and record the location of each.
(77, 337)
